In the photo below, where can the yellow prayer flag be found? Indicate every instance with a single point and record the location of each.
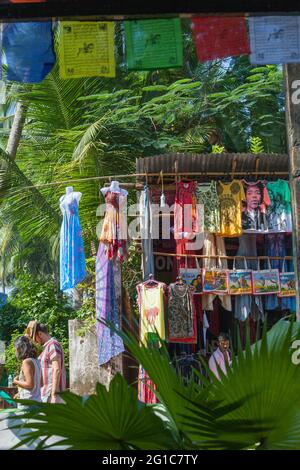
(86, 49)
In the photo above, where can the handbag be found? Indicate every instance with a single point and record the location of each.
(215, 281)
(287, 283)
(266, 281)
(239, 280)
(192, 276)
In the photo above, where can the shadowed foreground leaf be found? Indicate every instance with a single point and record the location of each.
(108, 420)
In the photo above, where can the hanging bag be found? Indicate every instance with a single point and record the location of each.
(192, 276)
(215, 280)
(287, 283)
(266, 281)
(239, 280)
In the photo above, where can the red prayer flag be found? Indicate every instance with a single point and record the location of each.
(217, 37)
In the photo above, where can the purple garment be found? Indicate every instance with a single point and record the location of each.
(107, 306)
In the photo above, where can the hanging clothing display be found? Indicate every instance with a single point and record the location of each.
(246, 305)
(152, 312)
(186, 222)
(108, 285)
(114, 229)
(185, 211)
(255, 207)
(146, 388)
(207, 195)
(231, 197)
(214, 246)
(146, 233)
(72, 257)
(275, 246)
(182, 321)
(279, 215)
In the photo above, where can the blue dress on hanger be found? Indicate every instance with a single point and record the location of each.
(72, 257)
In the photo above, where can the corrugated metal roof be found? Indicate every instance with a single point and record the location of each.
(245, 163)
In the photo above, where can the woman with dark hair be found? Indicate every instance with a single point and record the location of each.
(29, 381)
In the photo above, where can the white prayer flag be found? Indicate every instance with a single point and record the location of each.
(274, 39)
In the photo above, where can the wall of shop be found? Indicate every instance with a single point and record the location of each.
(85, 372)
(84, 369)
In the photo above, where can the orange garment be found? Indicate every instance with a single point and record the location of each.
(231, 196)
(114, 229)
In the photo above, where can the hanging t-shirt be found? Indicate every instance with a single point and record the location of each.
(279, 215)
(231, 197)
(255, 207)
(207, 195)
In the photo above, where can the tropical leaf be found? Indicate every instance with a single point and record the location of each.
(109, 420)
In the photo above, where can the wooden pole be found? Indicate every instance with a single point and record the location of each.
(292, 106)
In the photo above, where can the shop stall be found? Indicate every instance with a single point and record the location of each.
(216, 247)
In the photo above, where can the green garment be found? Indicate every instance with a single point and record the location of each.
(207, 196)
(279, 212)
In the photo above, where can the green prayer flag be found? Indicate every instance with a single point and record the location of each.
(153, 44)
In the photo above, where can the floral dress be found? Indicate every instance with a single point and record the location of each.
(207, 196)
(181, 318)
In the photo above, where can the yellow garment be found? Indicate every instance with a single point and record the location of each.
(231, 197)
(152, 312)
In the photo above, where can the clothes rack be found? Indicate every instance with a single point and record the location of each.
(287, 258)
(147, 175)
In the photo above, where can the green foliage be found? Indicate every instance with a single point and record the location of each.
(35, 299)
(11, 364)
(256, 145)
(217, 149)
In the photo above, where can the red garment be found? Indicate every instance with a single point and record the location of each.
(186, 223)
(145, 386)
(185, 210)
(214, 320)
(216, 37)
(198, 306)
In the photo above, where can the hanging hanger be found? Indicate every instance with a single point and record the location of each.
(151, 281)
(186, 179)
(162, 197)
(179, 280)
(145, 172)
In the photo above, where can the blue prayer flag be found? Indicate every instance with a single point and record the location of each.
(29, 51)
